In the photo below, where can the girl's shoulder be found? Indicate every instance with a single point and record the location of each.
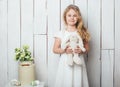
(59, 33)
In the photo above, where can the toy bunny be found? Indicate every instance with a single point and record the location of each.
(73, 41)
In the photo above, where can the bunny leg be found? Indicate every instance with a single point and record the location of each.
(70, 60)
(76, 59)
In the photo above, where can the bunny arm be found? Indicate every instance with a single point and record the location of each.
(80, 44)
(81, 47)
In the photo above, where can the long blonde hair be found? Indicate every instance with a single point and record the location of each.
(82, 30)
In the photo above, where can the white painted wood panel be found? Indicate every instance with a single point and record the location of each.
(82, 4)
(40, 55)
(40, 12)
(53, 27)
(53, 60)
(107, 61)
(64, 4)
(13, 37)
(117, 44)
(53, 12)
(3, 43)
(117, 68)
(117, 24)
(107, 24)
(27, 23)
(93, 64)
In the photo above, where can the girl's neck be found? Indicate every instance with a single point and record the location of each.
(71, 28)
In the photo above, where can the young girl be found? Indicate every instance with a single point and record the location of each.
(76, 75)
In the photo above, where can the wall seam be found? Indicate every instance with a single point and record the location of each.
(100, 43)
(114, 49)
(7, 47)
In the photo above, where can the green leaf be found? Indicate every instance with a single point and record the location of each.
(23, 54)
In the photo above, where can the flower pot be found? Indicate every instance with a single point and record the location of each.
(26, 63)
(26, 72)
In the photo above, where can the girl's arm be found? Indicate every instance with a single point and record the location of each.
(86, 45)
(56, 48)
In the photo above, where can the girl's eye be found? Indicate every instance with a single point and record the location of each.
(74, 15)
(69, 15)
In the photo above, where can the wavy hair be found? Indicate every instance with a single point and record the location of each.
(82, 30)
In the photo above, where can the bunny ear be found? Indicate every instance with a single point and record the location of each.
(79, 37)
(77, 40)
(66, 39)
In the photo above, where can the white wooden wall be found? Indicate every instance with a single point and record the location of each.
(34, 22)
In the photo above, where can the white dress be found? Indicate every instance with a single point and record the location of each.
(67, 76)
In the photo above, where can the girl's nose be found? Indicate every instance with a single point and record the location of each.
(72, 17)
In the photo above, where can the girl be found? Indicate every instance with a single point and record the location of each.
(75, 76)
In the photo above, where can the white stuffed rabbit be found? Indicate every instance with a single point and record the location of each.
(73, 41)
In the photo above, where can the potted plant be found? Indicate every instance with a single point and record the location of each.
(26, 73)
(23, 55)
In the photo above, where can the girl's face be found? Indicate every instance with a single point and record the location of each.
(71, 17)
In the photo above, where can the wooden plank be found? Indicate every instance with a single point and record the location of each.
(117, 68)
(53, 61)
(3, 42)
(107, 57)
(13, 37)
(117, 25)
(27, 23)
(117, 44)
(82, 4)
(108, 24)
(53, 27)
(40, 54)
(93, 64)
(53, 16)
(40, 17)
(64, 4)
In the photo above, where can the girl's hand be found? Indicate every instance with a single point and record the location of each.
(68, 50)
(78, 50)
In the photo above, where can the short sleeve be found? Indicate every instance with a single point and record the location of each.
(58, 34)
